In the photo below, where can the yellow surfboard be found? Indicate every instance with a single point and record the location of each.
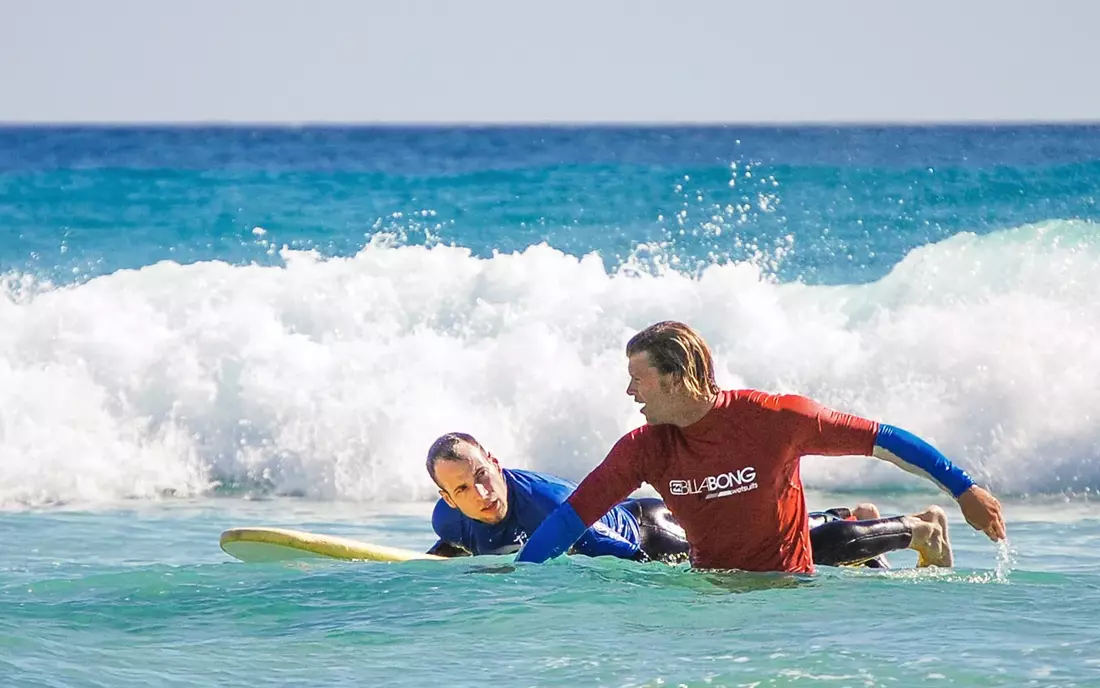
(282, 544)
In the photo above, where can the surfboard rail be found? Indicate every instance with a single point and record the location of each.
(261, 544)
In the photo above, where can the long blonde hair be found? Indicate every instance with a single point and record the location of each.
(676, 349)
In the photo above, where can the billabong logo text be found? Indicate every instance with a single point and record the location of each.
(721, 485)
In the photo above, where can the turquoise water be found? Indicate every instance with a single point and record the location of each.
(139, 594)
(208, 328)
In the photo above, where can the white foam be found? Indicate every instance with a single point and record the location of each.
(330, 377)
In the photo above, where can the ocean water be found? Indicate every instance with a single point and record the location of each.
(208, 328)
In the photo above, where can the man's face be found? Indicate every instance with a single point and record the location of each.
(649, 387)
(473, 484)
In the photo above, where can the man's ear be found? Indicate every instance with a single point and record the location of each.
(492, 460)
(447, 498)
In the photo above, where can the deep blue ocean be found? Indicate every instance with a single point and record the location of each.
(203, 328)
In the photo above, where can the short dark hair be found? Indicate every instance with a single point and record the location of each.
(443, 449)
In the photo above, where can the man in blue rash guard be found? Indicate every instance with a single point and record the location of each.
(486, 509)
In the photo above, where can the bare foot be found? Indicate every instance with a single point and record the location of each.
(866, 512)
(930, 538)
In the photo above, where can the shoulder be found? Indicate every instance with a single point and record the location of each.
(539, 487)
(642, 446)
(447, 521)
(526, 477)
(535, 482)
(755, 400)
(640, 440)
(795, 411)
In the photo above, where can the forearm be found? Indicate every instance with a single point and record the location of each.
(600, 540)
(910, 453)
(604, 487)
(554, 537)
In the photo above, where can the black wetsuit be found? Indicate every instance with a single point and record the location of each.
(837, 541)
(660, 536)
(834, 540)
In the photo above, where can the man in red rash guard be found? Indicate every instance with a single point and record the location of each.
(726, 462)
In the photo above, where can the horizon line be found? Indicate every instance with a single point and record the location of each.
(541, 124)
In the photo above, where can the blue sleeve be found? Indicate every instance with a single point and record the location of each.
(557, 534)
(600, 540)
(917, 456)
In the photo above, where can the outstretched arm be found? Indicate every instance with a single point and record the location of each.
(600, 540)
(907, 451)
(554, 537)
(827, 432)
(605, 486)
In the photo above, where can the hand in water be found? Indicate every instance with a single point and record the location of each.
(983, 512)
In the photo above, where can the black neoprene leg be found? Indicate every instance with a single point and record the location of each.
(662, 538)
(845, 543)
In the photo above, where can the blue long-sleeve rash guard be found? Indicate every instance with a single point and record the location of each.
(531, 498)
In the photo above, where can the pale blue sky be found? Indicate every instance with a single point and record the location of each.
(569, 61)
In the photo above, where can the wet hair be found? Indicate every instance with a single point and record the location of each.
(444, 449)
(676, 349)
